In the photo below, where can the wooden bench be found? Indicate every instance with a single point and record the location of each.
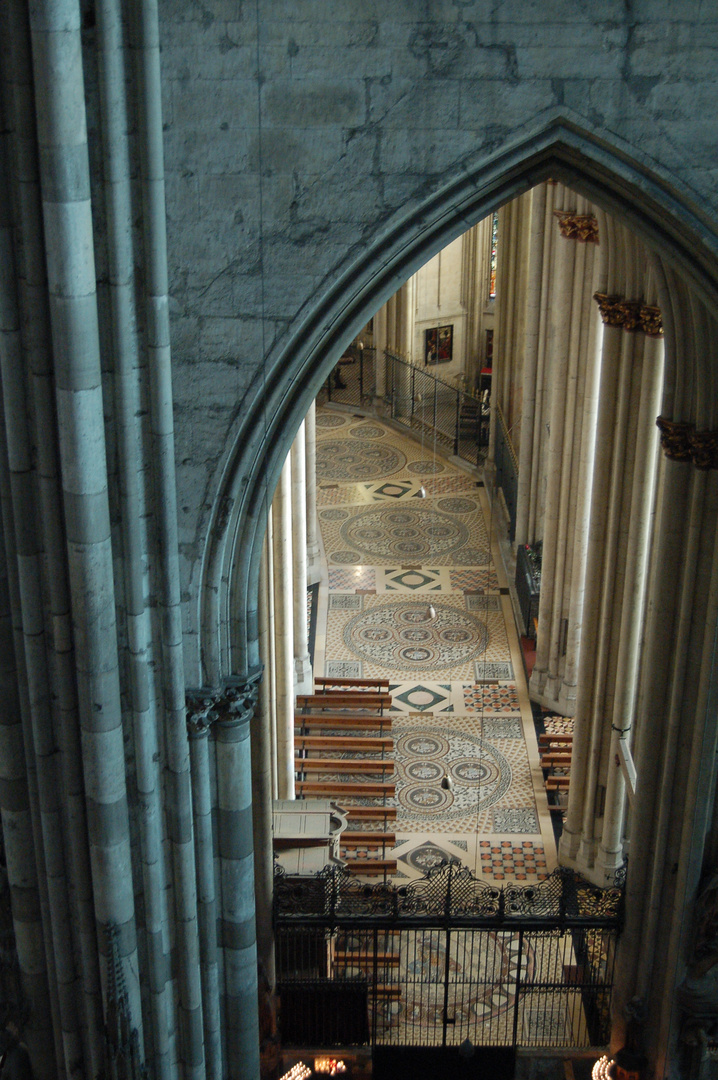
(344, 721)
(557, 783)
(371, 867)
(555, 758)
(367, 789)
(366, 959)
(324, 684)
(547, 740)
(366, 838)
(392, 993)
(379, 743)
(370, 813)
(345, 765)
(344, 699)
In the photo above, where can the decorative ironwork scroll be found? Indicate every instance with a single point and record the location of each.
(583, 227)
(631, 315)
(447, 893)
(681, 442)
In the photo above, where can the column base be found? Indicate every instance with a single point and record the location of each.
(314, 565)
(607, 863)
(568, 846)
(303, 676)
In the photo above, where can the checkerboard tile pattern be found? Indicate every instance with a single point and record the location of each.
(507, 860)
(491, 699)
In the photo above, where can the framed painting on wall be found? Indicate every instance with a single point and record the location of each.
(438, 344)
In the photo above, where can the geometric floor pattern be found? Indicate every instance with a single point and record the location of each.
(460, 702)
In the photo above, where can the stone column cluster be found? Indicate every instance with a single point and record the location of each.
(284, 646)
(629, 593)
(128, 843)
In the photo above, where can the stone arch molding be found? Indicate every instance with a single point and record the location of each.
(607, 173)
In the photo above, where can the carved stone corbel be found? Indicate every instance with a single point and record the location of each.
(582, 227)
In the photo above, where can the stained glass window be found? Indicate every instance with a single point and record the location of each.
(494, 246)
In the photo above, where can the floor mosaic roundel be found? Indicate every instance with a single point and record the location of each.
(425, 468)
(489, 976)
(354, 459)
(325, 420)
(480, 774)
(406, 638)
(367, 431)
(403, 532)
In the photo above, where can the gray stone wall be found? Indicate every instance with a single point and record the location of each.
(297, 133)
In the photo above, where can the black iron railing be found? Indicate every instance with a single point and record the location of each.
(437, 410)
(445, 958)
(434, 409)
(507, 469)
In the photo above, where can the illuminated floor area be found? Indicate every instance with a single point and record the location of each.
(460, 699)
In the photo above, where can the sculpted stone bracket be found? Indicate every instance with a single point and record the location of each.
(231, 705)
(632, 315)
(583, 227)
(681, 442)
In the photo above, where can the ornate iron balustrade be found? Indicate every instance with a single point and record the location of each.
(449, 894)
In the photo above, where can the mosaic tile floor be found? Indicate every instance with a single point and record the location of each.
(459, 695)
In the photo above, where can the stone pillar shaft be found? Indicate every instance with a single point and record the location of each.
(71, 282)
(310, 456)
(234, 833)
(283, 631)
(302, 663)
(206, 889)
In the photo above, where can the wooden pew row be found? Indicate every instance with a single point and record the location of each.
(366, 959)
(371, 867)
(367, 838)
(337, 789)
(370, 813)
(555, 759)
(344, 721)
(557, 783)
(370, 743)
(344, 699)
(560, 737)
(323, 684)
(344, 765)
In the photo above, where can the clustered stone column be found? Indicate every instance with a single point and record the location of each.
(219, 729)
(284, 646)
(91, 592)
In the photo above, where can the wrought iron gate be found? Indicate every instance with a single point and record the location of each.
(444, 959)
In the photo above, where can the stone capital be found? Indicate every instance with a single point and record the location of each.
(681, 442)
(583, 227)
(631, 315)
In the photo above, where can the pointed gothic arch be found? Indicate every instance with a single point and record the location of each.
(603, 171)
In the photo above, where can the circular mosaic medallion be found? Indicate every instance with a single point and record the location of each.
(407, 638)
(334, 515)
(393, 532)
(425, 798)
(330, 421)
(347, 558)
(425, 468)
(476, 772)
(367, 431)
(422, 745)
(487, 975)
(481, 774)
(352, 459)
(426, 771)
(456, 506)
